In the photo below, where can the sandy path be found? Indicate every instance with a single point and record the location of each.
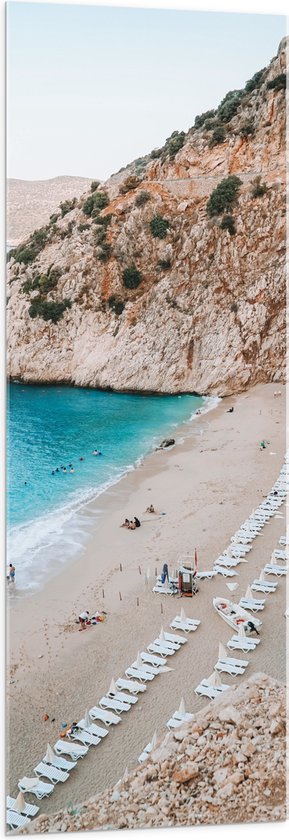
(206, 486)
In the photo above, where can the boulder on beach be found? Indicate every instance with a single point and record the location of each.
(166, 442)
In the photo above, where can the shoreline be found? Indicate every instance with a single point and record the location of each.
(182, 431)
(206, 486)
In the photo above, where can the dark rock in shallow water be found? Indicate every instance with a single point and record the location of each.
(166, 442)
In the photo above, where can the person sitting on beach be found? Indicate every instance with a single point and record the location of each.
(132, 526)
(150, 509)
(230, 410)
(136, 522)
(83, 618)
(125, 524)
(252, 628)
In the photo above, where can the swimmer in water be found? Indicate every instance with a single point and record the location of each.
(53, 473)
(64, 469)
(81, 459)
(57, 469)
(97, 452)
(72, 470)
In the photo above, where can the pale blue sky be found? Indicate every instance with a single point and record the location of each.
(91, 88)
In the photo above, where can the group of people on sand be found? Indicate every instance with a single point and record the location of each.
(70, 467)
(85, 619)
(131, 524)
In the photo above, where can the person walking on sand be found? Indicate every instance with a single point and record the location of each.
(11, 573)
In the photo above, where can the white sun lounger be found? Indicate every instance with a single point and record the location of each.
(139, 674)
(66, 748)
(109, 718)
(49, 772)
(35, 786)
(252, 604)
(281, 555)
(16, 820)
(161, 590)
(242, 643)
(123, 697)
(116, 705)
(284, 541)
(229, 668)
(175, 638)
(85, 737)
(242, 663)
(150, 659)
(147, 750)
(208, 575)
(190, 624)
(93, 729)
(167, 642)
(207, 690)
(178, 719)
(263, 586)
(28, 810)
(227, 562)
(273, 569)
(61, 763)
(149, 669)
(225, 572)
(163, 651)
(130, 685)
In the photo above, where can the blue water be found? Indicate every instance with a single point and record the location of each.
(50, 427)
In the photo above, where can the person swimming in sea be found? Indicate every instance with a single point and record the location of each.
(64, 469)
(72, 470)
(97, 452)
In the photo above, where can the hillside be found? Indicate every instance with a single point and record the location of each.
(226, 766)
(156, 281)
(30, 203)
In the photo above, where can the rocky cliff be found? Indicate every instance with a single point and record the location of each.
(227, 766)
(171, 276)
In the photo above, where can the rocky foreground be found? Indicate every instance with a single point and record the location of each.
(227, 766)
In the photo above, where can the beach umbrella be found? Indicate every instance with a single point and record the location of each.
(49, 755)
(162, 635)
(232, 586)
(112, 688)
(241, 631)
(125, 775)
(262, 575)
(249, 593)
(139, 661)
(214, 679)
(154, 740)
(19, 803)
(87, 719)
(273, 559)
(222, 652)
(181, 708)
(183, 615)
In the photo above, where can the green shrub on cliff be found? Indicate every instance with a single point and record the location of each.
(142, 198)
(218, 136)
(95, 201)
(229, 105)
(258, 188)
(67, 206)
(201, 118)
(131, 277)
(159, 226)
(278, 83)
(224, 196)
(116, 304)
(48, 310)
(228, 223)
(255, 82)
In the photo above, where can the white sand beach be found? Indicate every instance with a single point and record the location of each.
(206, 487)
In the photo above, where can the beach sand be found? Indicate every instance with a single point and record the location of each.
(206, 486)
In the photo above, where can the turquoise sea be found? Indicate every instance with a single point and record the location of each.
(51, 428)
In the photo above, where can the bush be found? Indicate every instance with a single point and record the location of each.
(142, 198)
(247, 129)
(228, 223)
(279, 83)
(82, 227)
(94, 185)
(105, 252)
(218, 136)
(102, 220)
(173, 144)
(26, 254)
(258, 188)
(100, 235)
(53, 218)
(229, 105)
(234, 307)
(255, 82)
(159, 227)
(224, 196)
(130, 183)
(48, 310)
(30, 286)
(96, 201)
(165, 264)
(201, 118)
(66, 206)
(39, 237)
(156, 153)
(116, 304)
(131, 277)
(209, 125)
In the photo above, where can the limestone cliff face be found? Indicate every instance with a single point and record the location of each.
(208, 314)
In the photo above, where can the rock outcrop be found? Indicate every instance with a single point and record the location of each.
(152, 293)
(227, 766)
